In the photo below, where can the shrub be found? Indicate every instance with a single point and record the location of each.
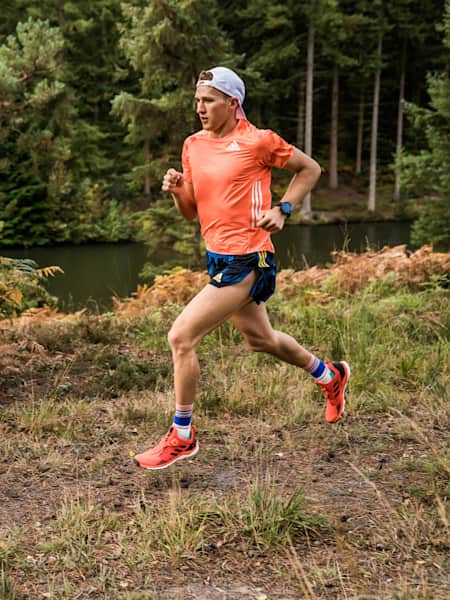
(433, 225)
(22, 286)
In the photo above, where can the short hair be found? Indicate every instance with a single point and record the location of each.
(208, 76)
(205, 76)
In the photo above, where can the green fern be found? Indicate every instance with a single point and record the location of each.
(22, 286)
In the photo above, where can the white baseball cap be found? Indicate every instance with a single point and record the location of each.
(227, 81)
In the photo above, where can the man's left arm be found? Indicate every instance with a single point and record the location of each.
(306, 174)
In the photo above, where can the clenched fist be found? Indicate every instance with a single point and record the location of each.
(172, 181)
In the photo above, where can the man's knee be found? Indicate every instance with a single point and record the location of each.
(179, 340)
(257, 343)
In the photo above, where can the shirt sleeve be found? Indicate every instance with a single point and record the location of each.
(187, 172)
(275, 150)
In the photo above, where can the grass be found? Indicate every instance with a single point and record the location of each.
(277, 504)
(76, 535)
(264, 518)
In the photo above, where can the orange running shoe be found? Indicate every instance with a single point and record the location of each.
(335, 391)
(169, 449)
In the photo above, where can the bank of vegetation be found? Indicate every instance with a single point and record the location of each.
(96, 98)
(277, 504)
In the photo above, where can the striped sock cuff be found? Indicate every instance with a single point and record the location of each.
(183, 416)
(316, 367)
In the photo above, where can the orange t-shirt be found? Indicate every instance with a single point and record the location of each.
(231, 179)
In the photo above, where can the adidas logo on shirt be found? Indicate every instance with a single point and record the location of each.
(233, 146)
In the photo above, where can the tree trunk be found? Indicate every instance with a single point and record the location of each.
(359, 141)
(333, 164)
(147, 157)
(306, 208)
(400, 121)
(301, 113)
(374, 133)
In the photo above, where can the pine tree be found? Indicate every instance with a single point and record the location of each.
(306, 204)
(269, 36)
(428, 172)
(65, 171)
(341, 21)
(371, 203)
(36, 151)
(93, 68)
(89, 69)
(167, 44)
(412, 25)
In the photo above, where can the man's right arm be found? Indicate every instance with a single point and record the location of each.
(182, 193)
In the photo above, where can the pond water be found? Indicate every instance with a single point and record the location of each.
(93, 273)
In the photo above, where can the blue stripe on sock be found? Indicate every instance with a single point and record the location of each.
(320, 370)
(182, 421)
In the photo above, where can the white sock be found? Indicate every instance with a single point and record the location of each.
(184, 432)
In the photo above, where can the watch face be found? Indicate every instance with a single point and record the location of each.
(286, 208)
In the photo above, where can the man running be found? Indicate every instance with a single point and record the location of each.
(225, 183)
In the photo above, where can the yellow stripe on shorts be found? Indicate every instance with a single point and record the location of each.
(262, 259)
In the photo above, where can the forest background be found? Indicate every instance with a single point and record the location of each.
(96, 99)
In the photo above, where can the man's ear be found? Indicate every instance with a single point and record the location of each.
(234, 103)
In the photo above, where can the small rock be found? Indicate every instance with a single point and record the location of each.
(381, 462)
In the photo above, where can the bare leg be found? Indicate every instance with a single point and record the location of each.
(206, 311)
(253, 322)
(211, 307)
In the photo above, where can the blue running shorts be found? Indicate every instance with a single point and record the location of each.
(228, 269)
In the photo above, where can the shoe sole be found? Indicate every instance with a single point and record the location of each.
(159, 468)
(348, 372)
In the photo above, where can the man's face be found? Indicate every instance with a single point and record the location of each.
(214, 108)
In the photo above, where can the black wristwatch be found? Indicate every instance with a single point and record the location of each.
(285, 208)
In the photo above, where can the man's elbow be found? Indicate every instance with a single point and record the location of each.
(316, 171)
(310, 169)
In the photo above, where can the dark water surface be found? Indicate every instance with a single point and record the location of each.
(93, 273)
